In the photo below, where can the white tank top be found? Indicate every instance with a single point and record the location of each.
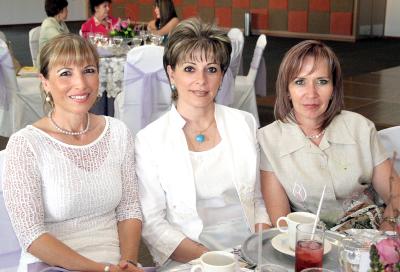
(218, 203)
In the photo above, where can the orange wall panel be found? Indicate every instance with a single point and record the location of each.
(341, 23)
(297, 21)
(224, 16)
(274, 15)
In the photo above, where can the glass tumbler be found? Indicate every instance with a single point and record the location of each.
(350, 252)
(309, 250)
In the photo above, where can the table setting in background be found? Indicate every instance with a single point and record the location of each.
(112, 49)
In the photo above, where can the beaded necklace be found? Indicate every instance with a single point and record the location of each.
(316, 136)
(68, 132)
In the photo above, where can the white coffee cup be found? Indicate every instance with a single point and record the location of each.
(292, 220)
(216, 261)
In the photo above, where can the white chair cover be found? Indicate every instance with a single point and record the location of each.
(30, 96)
(20, 99)
(146, 93)
(3, 36)
(244, 94)
(237, 41)
(390, 138)
(7, 87)
(225, 94)
(9, 247)
(34, 34)
(261, 79)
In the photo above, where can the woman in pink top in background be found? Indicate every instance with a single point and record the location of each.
(101, 21)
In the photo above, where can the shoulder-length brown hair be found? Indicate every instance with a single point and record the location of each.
(290, 69)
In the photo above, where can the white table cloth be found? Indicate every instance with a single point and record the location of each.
(31, 100)
(111, 75)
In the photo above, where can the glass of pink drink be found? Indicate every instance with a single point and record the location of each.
(309, 250)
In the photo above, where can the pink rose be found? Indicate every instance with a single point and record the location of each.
(389, 251)
(124, 24)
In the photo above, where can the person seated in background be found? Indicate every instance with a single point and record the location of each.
(69, 184)
(54, 24)
(166, 18)
(101, 22)
(197, 165)
(315, 143)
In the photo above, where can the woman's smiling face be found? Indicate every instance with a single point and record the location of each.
(73, 88)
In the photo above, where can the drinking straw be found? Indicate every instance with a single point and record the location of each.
(259, 251)
(391, 179)
(318, 212)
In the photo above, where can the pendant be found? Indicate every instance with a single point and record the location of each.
(200, 138)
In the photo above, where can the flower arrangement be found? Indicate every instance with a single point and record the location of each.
(385, 255)
(123, 28)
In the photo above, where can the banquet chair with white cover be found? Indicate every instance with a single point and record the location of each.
(8, 87)
(237, 41)
(225, 95)
(20, 99)
(146, 93)
(244, 93)
(9, 247)
(3, 36)
(34, 34)
(390, 137)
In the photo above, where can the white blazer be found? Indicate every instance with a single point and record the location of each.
(166, 181)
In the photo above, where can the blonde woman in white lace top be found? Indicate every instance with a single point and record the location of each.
(70, 187)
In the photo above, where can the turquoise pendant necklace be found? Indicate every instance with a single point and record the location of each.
(200, 137)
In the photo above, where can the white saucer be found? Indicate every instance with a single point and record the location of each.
(281, 243)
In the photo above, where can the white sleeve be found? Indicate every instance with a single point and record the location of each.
(261, 215)
(160, 236)
(129, 206)
(22, 189)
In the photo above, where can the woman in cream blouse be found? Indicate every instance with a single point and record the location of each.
(314, 142)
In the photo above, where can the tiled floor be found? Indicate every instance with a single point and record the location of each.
(375, 95)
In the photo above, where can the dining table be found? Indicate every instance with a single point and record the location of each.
(246, 254)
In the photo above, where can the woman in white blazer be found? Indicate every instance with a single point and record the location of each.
(197, 165)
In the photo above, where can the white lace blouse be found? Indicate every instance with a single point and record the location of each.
(76, 193)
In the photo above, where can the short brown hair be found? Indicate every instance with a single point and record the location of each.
(289, 70)
(192, 36)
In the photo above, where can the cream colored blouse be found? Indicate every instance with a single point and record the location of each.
(343, 161)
